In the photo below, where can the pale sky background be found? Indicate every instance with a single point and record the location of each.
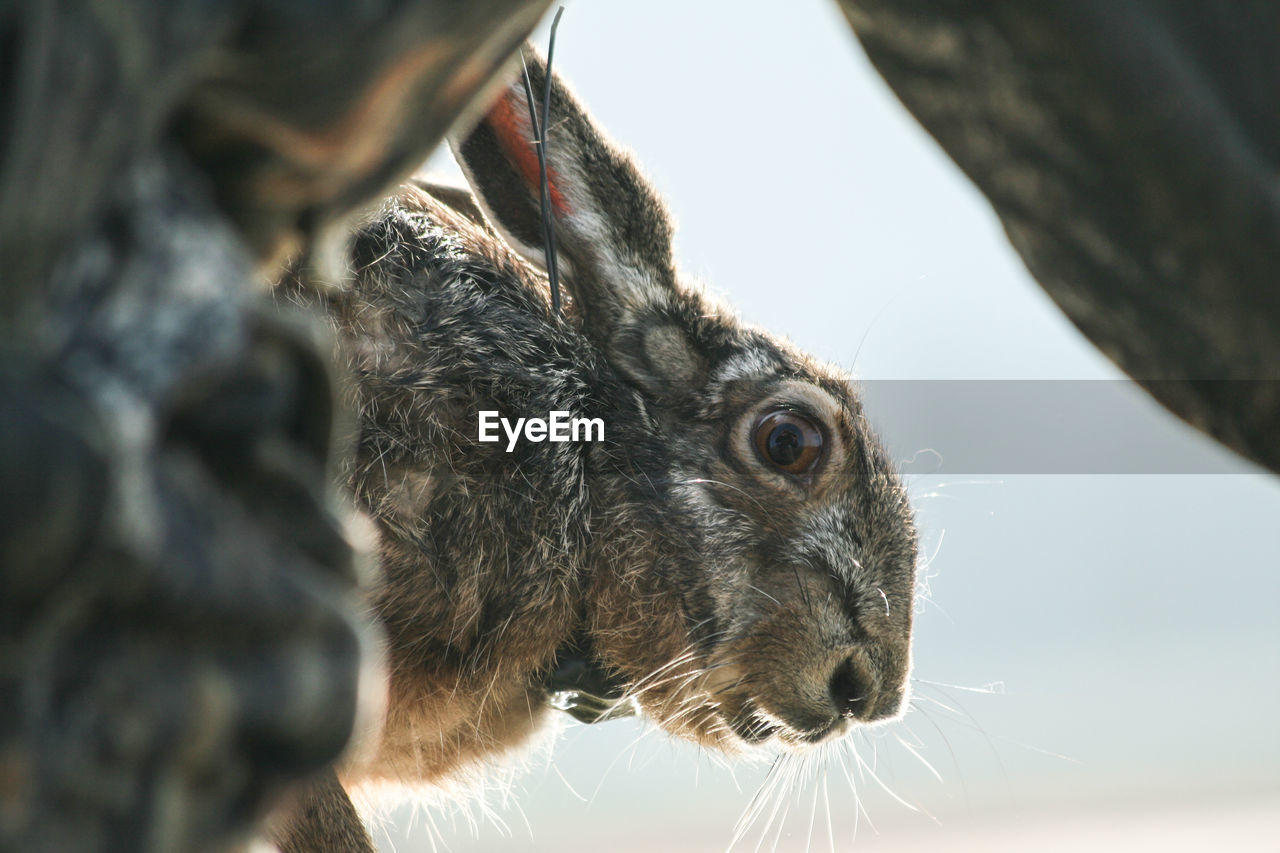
(1128, 623)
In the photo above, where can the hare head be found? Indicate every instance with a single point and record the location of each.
(736, 556)
(757, 577)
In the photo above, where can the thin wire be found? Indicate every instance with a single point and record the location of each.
(540, 129)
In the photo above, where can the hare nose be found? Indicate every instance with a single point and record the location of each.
(851, 689)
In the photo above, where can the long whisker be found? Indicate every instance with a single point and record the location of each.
(911, 749)
(757, 803)
(700, 480)
(813, 814)
(875, 777)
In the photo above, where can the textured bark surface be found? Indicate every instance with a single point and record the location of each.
(179, 639)
(1132, 152)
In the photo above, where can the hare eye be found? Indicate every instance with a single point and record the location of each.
(788, 440)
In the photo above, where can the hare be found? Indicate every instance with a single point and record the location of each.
(735, 555)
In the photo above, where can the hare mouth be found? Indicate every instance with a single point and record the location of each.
(755, 727)
(583, 686)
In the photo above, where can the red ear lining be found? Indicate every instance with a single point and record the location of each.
(515, 142)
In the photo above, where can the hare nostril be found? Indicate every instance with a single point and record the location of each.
(850, 690)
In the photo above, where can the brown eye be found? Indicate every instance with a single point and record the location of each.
(788, 440)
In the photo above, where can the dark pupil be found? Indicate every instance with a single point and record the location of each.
(786, 443)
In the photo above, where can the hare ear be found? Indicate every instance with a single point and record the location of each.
(613, 234)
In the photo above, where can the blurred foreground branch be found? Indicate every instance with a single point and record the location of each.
(179, 639)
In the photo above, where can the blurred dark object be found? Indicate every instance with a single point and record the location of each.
(313, 108)
(1132, 152)
(179, 638)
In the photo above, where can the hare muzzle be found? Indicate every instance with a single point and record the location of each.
(808, 670)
